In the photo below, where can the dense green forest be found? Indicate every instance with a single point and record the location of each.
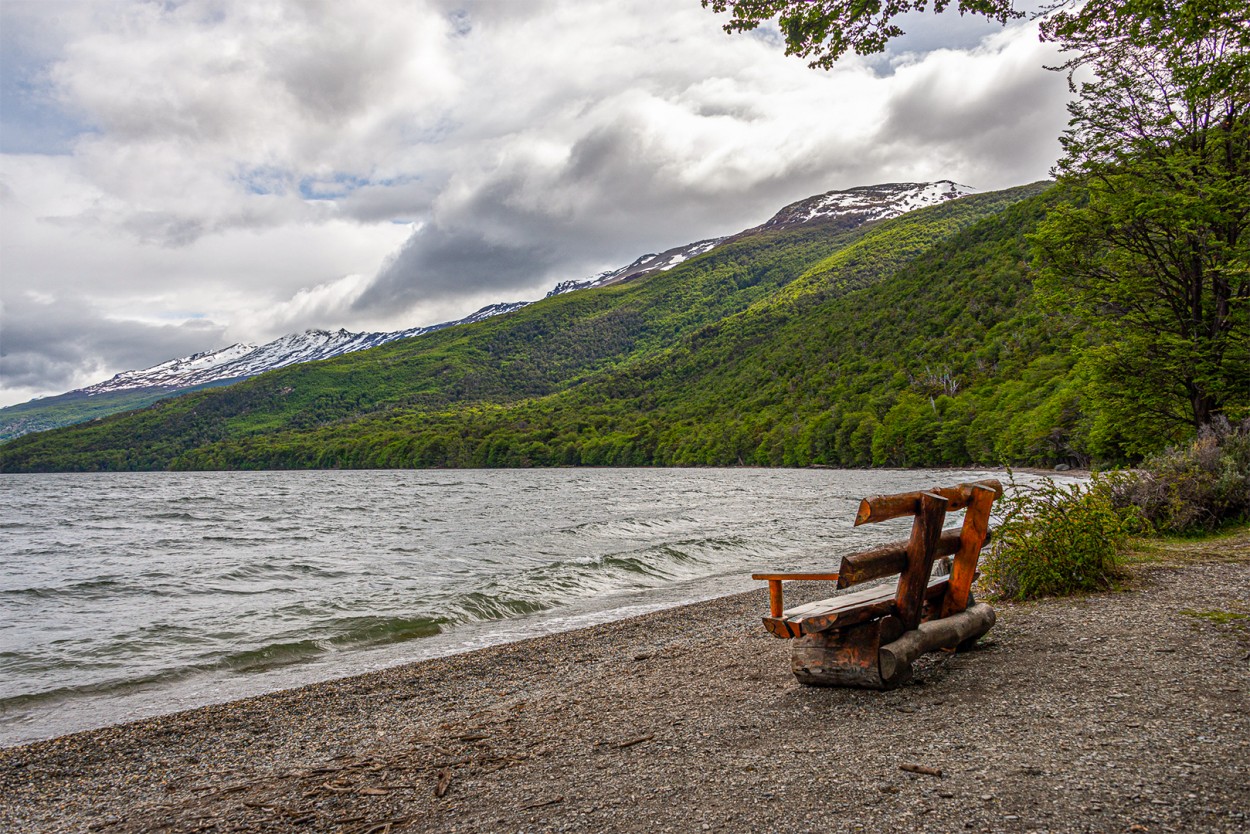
(913, 341)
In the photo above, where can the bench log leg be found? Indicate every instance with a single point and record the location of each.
(896, 656)
(845, 657)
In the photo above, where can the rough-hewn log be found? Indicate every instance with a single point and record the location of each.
(972, 539)
(783, 628)
(884, 507)
(912, 582)
(897, 656)
(845, 657)
(889, 559)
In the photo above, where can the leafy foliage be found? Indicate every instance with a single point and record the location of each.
(1058, 540)
(1153, 249)
(825, 30)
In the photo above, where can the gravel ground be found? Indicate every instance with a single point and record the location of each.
(1112, 712)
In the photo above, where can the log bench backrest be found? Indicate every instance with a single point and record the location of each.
(929, 509)
(912, 561)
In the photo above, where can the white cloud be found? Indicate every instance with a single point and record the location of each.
(262, 164)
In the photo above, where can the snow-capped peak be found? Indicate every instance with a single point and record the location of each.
(173, 371)
(853, 207)
(242, 361)
(868, 203)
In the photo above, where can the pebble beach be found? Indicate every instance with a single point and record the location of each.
(1121, 711)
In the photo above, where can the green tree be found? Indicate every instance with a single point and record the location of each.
(1153, 249)
(825, 30)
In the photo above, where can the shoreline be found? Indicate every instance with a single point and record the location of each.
(153, 637)
(1093, 713)
(466, 639)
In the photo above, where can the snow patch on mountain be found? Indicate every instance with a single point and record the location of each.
(242, 361)
(868, 203)
(172, 372)
(641, 266)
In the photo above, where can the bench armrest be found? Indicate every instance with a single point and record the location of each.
(775, 605)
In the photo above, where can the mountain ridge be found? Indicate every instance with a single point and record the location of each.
(850, 207)
(242, 361)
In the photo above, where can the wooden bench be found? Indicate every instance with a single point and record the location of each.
(869, 638)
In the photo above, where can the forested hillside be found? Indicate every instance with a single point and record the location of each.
(904, 342)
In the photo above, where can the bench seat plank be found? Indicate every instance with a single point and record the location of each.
(846, 609)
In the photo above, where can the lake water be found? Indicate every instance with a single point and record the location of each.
(133, 594)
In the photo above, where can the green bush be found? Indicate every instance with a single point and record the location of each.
(1058, 540)
(1196, 488)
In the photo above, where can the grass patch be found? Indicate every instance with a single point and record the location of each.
(1217, 616)
(1232, 544)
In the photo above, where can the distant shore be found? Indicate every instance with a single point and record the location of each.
(1112, 712)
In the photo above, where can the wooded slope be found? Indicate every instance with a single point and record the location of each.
(913, 341)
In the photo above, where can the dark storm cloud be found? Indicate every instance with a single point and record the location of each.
(436, 264)
(86, 341)
(622, 190)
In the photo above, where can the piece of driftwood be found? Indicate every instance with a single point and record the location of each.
(921, 769)
(896, 656)
(884, 507)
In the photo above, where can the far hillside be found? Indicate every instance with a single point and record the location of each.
(910, 341)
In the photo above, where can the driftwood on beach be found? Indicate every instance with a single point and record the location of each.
(870, 638)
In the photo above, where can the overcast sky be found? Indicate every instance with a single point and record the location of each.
(180, 176)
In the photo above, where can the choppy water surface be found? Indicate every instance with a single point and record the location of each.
(123, 595)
